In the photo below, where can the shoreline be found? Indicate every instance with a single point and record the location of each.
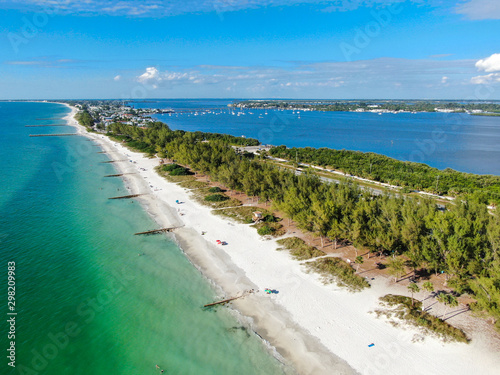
(273, 324)
(307, 321)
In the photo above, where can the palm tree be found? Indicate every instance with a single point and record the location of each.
(413, 288)
(429, 287)
(359, 261)
(441, 297)
(451, 301)
(396, 268)
(448, 300)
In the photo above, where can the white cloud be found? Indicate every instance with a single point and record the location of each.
(440, 55)
(326, 79)
(487, 79)
(155, 77)
(118, 77)
(164, 8)
(25, 62)
(489, 64)
(45, 62)
(151, 74)
(480, 9)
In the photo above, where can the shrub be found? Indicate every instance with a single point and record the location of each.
(215, 189)
(175, 170)
(269, 218)
(265, 230)
(299, 249)
(179, 172)
(170, 167)
(341, 272)
(216, 198)
(414, 315)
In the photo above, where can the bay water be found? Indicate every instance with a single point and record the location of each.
(86, 302)
(458, 141)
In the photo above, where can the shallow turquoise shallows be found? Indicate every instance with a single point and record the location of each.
(86, 302)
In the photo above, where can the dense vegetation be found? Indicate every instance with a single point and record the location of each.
(175, 170)
(84, 118)
(462, 241)
(156, 135)
(485, 188)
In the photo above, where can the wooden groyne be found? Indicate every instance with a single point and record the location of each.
(245, 293)
(112, 161)
(50, 118)
(101, 152)
(221, 302)
(156, 231)
(127, 196)
(52, 135)
(118, 175)
(42, 126)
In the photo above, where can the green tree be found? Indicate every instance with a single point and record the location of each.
(413, 288)
(359, 261)
(428, 287)
(487, 293)
(396, 267)
(448, 300)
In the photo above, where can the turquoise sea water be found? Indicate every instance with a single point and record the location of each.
(86, 302)
(459, 141)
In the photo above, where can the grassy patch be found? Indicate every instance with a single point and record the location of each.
(299, 249)
(200, 194)
(269, 229)
(335, 269)
(402, 309)
(176, 179)
(193, 184)
(228, 203)
(216, 197)
(241, 214)
(244, 215)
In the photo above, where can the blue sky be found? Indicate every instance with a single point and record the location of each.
(250, 49)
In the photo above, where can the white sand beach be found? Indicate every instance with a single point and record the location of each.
(320, 329)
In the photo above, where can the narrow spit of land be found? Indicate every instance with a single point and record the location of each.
(306, 316)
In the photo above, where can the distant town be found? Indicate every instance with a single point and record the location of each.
(387, 106)
(107, 112)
